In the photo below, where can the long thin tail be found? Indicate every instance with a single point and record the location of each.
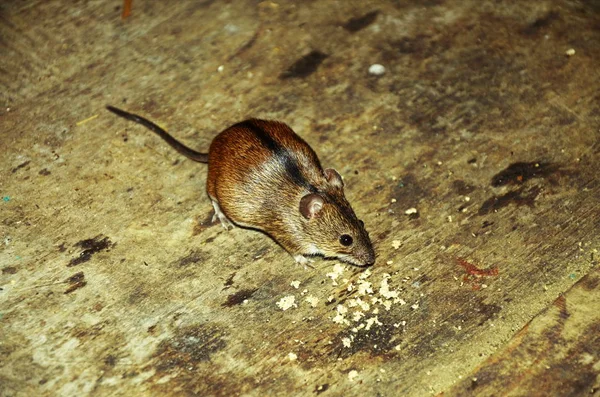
(174, 143)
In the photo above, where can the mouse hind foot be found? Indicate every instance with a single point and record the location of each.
(225, 222)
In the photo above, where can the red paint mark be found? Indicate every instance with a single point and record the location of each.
(473, 270)
(126, 8)
(475, 274)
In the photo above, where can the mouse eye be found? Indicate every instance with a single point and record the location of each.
(361, 223)
(346, 240)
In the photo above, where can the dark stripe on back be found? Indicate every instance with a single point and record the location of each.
(281, 153)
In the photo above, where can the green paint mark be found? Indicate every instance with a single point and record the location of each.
(6, 199)
(17, 257)
(1, 315)
(401, 184)
(572, 276)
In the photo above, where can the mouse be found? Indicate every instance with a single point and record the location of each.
(263, 176)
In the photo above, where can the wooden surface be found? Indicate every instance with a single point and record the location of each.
(486, 121)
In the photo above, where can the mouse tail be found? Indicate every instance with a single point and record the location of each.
(174, 143)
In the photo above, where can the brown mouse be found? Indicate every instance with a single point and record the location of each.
(261, 175)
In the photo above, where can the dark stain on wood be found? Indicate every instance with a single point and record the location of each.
(519, 173)
(590, 283)
(408, 192)
(90, 247)
(137, 296)
(22, 165)
(110, 360)
(202, 224)
(355, 24)
(540, 23)
(189, 347)
(194, 257)
(75, 282)
(304, 66)
(461, 187)
(229, 282)
(239, 297)
(44, 172)
(9, 270)
(518, 197)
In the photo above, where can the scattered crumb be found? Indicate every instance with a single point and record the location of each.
(295, 284)
(365, 274)
(376, 69)
(570, 52)
(389, 262)
(411, 211)
(220, 68)
(371, 321)
(346, 342)
(364, 287)
(393, 200)
(287, 302)
(396, 244)
(415, 306)
(352, 374)
(340, 319)
(357, 316)
(292, 356)
(337, 272)
(384, 289)
(312, 300)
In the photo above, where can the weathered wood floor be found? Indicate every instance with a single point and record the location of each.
(113, 281)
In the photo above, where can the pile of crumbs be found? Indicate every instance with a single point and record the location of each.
(360, 313)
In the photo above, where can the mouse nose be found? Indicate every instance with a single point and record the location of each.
(369, 258)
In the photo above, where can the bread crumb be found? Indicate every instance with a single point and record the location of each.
(371, 321)
(411, 211)
(287, 302)
(384, 289)
(312, 300)
(352, 375)
(337, 272)
(295, 284)
(292, 356)
(365, 274)
(376, 69)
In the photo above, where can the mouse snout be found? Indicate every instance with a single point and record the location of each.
(366, 257)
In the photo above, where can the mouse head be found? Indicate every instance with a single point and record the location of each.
(332, 226)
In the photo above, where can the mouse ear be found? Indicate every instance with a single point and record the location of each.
(334, 177)
(310, 205)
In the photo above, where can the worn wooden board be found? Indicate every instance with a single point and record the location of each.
(554, 354)
(114, 281)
